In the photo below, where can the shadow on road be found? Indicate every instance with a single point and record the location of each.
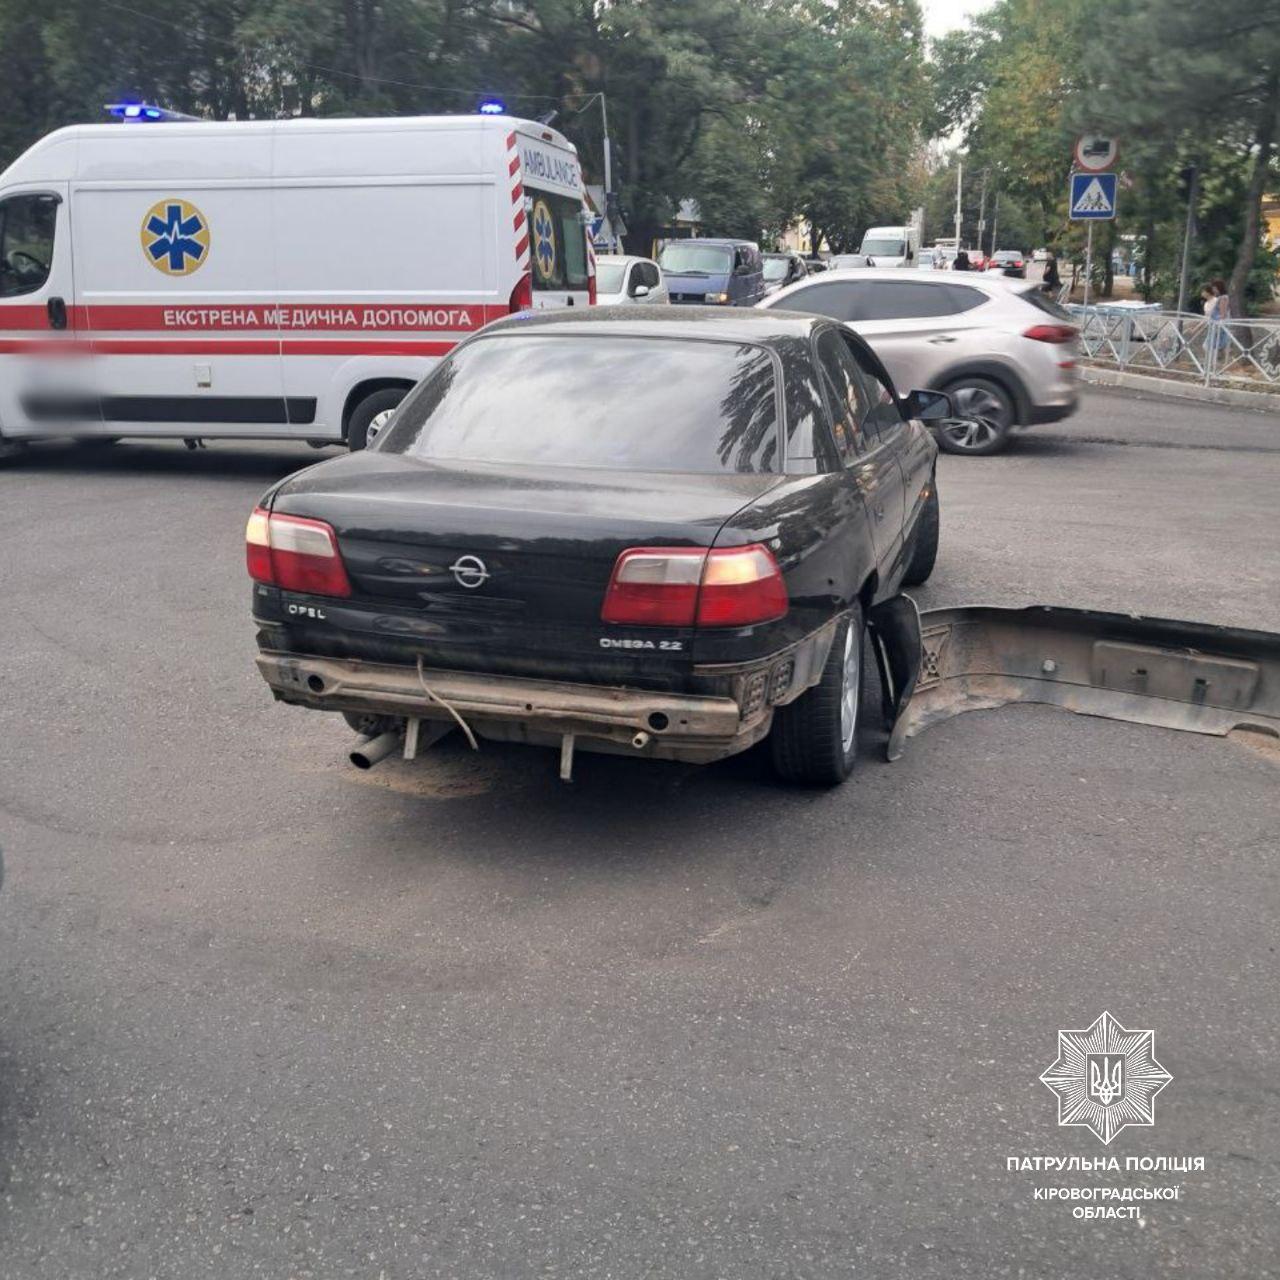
(169, 458)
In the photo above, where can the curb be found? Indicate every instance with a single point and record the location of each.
(1101, 376)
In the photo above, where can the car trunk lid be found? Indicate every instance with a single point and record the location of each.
(504, 567)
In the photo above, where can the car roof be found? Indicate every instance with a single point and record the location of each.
(622, 257)
(732, 324)
(899, 273)
(707, 240)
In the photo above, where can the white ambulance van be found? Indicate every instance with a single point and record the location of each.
(276, 279)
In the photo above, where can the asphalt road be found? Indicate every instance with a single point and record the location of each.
(263, 1016)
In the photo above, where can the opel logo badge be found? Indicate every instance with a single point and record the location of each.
(469, 572)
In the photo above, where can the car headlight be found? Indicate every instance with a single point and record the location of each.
(718, 297)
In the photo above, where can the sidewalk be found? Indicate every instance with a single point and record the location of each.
(1105, 376)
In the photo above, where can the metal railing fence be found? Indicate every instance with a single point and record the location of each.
(1239, 353)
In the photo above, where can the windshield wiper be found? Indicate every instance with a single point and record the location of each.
(690, 272)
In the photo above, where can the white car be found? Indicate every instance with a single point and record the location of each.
(624, 280)
(1003, 351)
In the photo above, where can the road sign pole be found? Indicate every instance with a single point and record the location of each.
(1088, 262)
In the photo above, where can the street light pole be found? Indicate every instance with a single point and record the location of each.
(608, 159)
(982, 211)
(959, 179)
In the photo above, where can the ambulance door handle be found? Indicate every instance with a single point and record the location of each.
(57, 313)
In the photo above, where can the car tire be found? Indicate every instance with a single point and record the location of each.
(10, 449)
(985, 415)
(924, 541)
(814, 740)
(370, 416)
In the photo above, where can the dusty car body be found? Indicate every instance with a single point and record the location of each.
(655, 532)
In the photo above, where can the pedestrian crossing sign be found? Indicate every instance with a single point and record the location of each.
(1093, 195)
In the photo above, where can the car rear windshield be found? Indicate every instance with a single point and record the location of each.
(776, 268)
(624, 403)
(1043, 302)
(684, 259)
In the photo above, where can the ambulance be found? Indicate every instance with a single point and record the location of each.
(288, 280)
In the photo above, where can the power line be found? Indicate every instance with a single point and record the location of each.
(350, 75)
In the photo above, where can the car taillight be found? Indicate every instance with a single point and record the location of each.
(1051, 333)
(295, 554)
(685, 587)
(522, 294)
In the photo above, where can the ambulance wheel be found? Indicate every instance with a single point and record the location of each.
(371, 415)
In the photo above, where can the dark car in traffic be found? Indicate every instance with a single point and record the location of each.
(650, 532)
(782, 269)
(1009, 262)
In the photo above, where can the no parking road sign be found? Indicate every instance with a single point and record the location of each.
(1093, 196)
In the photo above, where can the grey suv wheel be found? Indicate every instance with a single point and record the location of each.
(984, 417)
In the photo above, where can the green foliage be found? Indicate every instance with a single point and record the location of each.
(759, 111)
(1177, 81)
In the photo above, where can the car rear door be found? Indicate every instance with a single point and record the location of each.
(917, 327)
(870, 463)
(909, 441)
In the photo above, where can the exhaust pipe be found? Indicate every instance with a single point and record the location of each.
(640, 741)
(369, 751)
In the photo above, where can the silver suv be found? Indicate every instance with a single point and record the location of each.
(1004, 352)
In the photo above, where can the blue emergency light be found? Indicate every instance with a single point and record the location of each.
(134, 112)
(493, 107)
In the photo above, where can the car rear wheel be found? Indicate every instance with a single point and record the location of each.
(924, 541)
(984, 417)
(815, 738)
(371, 415)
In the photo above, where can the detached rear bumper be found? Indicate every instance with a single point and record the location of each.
(672, 726)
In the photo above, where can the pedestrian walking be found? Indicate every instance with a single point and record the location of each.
(1052, 278)
(1217, 310)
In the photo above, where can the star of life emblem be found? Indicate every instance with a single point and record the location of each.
(1106, 1077)
(544, 241)
(175, 237)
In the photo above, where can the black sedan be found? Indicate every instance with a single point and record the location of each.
(655, 534)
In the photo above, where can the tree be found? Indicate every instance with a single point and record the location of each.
(1205, 77)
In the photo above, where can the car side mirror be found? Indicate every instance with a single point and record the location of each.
(640, 291)
(928, 406)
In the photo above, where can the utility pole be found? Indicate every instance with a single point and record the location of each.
(982, 211)
(995, 224)
(1192, 175)
(610, 200)
(959, 179)
(608, 160)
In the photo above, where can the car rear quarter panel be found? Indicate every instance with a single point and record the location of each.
(818, 530)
